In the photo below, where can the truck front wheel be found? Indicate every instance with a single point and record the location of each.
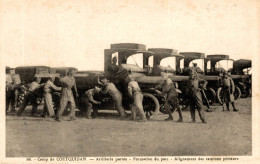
(151, 105)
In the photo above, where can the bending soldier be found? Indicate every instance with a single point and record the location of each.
(48, 105)
(116, 95)
(171, 94)
(195, 99)
(88, 100)
(31, 96)
(137, 106)
(228, 89)
(68, 82)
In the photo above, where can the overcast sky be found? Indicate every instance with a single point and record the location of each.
(75, 33)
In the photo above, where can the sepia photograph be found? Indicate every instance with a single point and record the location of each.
(129, 81)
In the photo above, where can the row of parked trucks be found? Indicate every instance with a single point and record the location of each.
(120, 62)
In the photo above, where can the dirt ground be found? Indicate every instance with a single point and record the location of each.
(225, 134)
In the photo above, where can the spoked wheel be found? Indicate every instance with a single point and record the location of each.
(151, 105)
(39, 100)
(20, 99)
(237, 93)
(211, 95)
(56, 100)
(184, 102)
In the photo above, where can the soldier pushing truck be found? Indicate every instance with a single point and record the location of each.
(129, 87)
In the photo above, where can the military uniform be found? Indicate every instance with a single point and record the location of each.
(10, 96)
(67, 97)
(111, 89)
(48, 105)
(164, 85)
(171, 101)
(137, 96)
(88, 100)
(228, 88)
(195, 99)
(31, 96)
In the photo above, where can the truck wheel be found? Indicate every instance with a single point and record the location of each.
(151, 105)
(237, 93)
(20, 99)
(211, 95)
(39, 100)
(219, 95)
(56, 101)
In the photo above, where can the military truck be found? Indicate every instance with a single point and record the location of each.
(214, 68)
(28, 73)
(242, 76)
(62, 70)
(188, 62)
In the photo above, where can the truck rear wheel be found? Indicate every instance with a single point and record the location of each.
(211, 95)
(151, 105)
(237, 94)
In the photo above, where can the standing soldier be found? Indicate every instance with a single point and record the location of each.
(116, 95)
(68, 82)
(137, 106)
(195, 99)
(11, 88)
(88, 100)
(31, 96)
(228, 89)
(48, 105)
(171, 96)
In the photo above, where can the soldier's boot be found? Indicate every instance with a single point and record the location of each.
(223, 106)
(204, 121)
(234, 108)
(133, 113)
(89, 114)
(170, 118)
(227, 104)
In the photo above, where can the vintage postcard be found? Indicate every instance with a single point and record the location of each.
(134, 81)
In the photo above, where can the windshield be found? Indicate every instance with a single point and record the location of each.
(169, 62)
(224, 64)
(199, 62)
(115, 56)
(136, 59)
(247, 71)
(150, 61)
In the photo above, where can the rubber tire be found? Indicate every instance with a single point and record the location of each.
(237, 89)
(156, 103)
(235, 97)
(56, 101)
(218, 95)
(213, 94)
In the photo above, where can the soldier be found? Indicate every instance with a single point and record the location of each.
(48, 105)
(88, 100)
(68, 82)
(195, 99)
(31, 96)
(116, 95)
(171, 95)
(137, 106)
(166, 82)
(196, 68)
(11, 88)
(228, 89)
